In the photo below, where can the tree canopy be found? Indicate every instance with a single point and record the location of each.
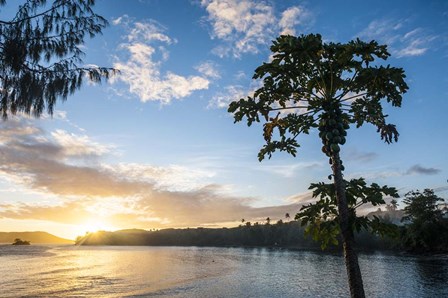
(422, 206)
(41, 56)
(310, 84)
(427, 228)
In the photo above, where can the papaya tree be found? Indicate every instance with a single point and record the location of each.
(41, 54)
(308, 85)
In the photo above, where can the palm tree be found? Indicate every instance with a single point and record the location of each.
(394, 204)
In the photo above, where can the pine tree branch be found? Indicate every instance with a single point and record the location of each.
(36, 15)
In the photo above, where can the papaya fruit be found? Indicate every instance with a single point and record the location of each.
(335, 148)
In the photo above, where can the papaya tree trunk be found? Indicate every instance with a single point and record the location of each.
(351, 258)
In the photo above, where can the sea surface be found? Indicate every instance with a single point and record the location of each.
(106, 271)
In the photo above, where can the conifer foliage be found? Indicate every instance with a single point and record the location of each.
(41, 56)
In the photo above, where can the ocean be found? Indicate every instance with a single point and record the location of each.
(123, 271)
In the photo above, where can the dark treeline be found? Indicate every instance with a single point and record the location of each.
(426, 222)
(284, 234)
(421, 227)
(288, 234)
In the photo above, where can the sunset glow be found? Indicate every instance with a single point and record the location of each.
(92, 226)
(156, 148)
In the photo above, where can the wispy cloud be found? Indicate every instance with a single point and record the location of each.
(209, 69)
(240, 75)
(361, 156)
(148, 30)
(171, 178)
(376, 174)
(221, 100)
(78, 145)
(145, 51)
(290, 170)
(403, 41)
(395, 172)
(245, 25)
(420, 170)
(302, 198)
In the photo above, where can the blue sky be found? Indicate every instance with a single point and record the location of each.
(155, 147)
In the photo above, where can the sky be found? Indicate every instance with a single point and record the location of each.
(156, 148)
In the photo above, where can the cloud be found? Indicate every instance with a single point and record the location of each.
(61, 116)
(126, 195)
(245, 25)
(145, 51)
(376, 174)
(75, 145)
(290, 170)
(413, 170)
(172, 178)
(403, 42)
(68, 213)
(208, 69)
(223, 99)
(148, 31)
(440, 189)
(161, 210)
(240, 75)
(415, 47)
(361, 156)
(52, 163)
(302, 198)
(292, 17)
(206, 206)
(12, 128)
(419, 170)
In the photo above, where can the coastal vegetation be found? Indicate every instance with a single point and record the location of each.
(427, 222)
(414, 232)
(19, 241)
(280, 234)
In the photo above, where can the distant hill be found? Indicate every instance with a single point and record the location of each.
(33, 237)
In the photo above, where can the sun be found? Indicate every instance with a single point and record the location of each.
(91, 226)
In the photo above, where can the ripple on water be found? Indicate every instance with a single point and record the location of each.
(39, 271)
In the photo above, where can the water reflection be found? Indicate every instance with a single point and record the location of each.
(433, 271)
(210, 272)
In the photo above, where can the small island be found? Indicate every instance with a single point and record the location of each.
(19, 241)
